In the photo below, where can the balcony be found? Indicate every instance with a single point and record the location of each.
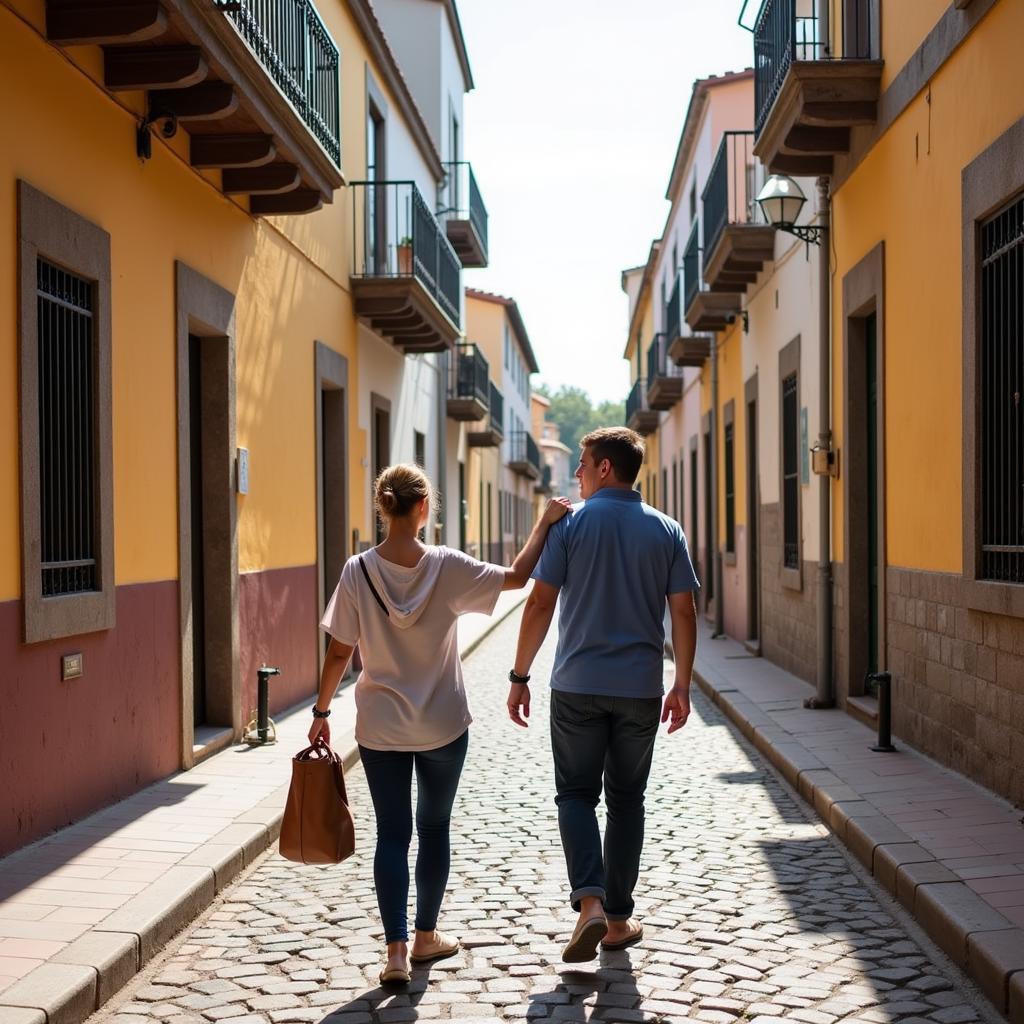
(684, 347)
(705, 310)
(490, 430)
(664, 378)
(524, 455)
(639, 415)
(468, 384)
(406, 278)
(255, 83)
(806, 99)
(737, 243)
(464, 214)
(543, 486)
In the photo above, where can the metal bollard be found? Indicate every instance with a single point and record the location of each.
(883, 685)
(263, 674)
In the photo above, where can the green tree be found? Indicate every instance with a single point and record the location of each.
(575, 414)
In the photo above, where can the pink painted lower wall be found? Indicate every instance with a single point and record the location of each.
(69, 748)
(278, 625)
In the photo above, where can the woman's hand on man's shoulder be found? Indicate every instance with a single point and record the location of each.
(555, 509)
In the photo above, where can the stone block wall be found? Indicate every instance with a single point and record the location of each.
(958, 680)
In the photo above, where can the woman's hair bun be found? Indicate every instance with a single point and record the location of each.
(399, 489)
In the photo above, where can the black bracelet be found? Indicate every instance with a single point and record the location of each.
(515, 677)
(317, 713)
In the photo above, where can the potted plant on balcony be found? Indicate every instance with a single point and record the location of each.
(405, 255)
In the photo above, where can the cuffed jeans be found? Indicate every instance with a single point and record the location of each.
(389, 777)
(595, 737)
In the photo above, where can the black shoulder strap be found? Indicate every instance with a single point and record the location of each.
(373, 589)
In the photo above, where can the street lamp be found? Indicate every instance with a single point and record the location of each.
(781, 201)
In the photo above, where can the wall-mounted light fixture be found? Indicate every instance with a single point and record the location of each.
(781, 201)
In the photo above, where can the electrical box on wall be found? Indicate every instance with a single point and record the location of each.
(242, 470)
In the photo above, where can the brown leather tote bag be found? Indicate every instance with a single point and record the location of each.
(317, 827)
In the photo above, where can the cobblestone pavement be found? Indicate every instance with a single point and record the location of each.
(751, 910)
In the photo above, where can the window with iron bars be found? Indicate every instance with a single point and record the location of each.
(1001, 399)
(67, 448)
(790, 474)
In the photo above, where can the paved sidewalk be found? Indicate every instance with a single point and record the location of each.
(950, 851)
(83, 910)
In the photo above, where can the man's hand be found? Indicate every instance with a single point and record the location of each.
(555, 509)
(519, 704)
(320, 730)
(677, 708)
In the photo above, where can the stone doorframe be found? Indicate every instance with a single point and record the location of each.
(753, 510)
(863, 294)
(205, 309)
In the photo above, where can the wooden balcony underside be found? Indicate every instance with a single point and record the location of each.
(195, 68)
(664, 392)
(467, 410)
(738, 257)
(713, 311)
(466, 242)
(810, 120)
(691, 350)
(524, 468)
(644, 421)
(401, 309)
(489, 437)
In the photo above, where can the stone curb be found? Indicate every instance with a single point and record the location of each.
(78, 980)
(983, 943)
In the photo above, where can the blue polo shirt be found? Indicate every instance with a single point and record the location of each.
(614, 560)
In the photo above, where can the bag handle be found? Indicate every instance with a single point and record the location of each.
(373, 589)
(320, 751)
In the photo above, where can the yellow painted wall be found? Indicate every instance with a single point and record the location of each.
(904, 25)
(75, 142)
(907, 193)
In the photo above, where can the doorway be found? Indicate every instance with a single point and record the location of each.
(753, 518)
(693, 536)
(709, 554)
(331, 383)
(380, 414)
(871, 482)
(207, 514)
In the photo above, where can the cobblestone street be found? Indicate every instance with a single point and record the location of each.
(751, 910)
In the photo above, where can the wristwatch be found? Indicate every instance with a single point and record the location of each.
(514, 677)
(317, 713)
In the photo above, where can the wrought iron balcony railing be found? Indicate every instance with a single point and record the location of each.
(461, 199)
(782, 36)
(731, 191)
(395, 235)
(497, 411)
(673, 314)
(636, 403)
(292, 43)
(469, 375)
(523, 451)
(658, 362)
(691, 267)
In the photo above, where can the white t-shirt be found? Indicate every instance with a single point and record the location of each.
(410, 694)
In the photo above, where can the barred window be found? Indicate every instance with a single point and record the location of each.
(1001, 406)
(67, 444)
(790, 474)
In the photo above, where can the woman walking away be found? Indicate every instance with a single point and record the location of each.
(401, 602)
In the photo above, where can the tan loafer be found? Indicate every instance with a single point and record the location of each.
(394, 976)
(585, 938)
(449, 948)
(636, 933)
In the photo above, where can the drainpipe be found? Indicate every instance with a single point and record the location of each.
(825, 697)
(716, 554)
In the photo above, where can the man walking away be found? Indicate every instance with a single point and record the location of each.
(613, 561)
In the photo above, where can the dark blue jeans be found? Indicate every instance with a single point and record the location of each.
(611, 739)
(389, 776)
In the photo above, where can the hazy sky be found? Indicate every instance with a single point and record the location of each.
(571, 131)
